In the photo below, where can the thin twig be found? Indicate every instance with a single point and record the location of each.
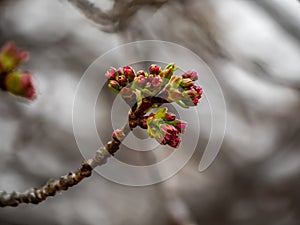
(53, 186)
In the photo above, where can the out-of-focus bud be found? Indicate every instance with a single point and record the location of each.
(20, 84)
(154, 69)
(11, 57)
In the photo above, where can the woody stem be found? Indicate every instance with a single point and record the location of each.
(53, 186)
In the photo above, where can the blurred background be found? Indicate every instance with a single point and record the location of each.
(253, 48)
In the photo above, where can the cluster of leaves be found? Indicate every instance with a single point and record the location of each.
(12, 79)
(162, 84)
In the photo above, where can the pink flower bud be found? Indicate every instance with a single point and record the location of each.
(27, 86)
(174, 143)
(192, 95)
(148, 85)
(170, 116)
(120, 71)
(168, 138)
(141, 73)
(180, 125)
(150, 77)
(21, 84)
(168, 128)
(141, 80)
(154, 69)
(195, 101)
(157, 81)
(129, 73)
(122, 80)
(11, 57)
(192, 74)
(198, 89)
(164, 128)
(111, 74)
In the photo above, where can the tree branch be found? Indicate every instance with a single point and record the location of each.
(37, 195)
(116, 18)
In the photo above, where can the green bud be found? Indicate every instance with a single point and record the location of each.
(186, 82)
(114, 86)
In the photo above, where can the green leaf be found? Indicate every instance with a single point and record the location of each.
(139, 98)
(161, 113)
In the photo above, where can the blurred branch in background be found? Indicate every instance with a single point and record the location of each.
(115, 19)
(282, 14)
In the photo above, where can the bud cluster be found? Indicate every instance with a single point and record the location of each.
(183, 90)
(165, 128)
(158, 82)
(119, 78)
(15, 81)
(156, 86)
(148, 84)
(133, 86)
